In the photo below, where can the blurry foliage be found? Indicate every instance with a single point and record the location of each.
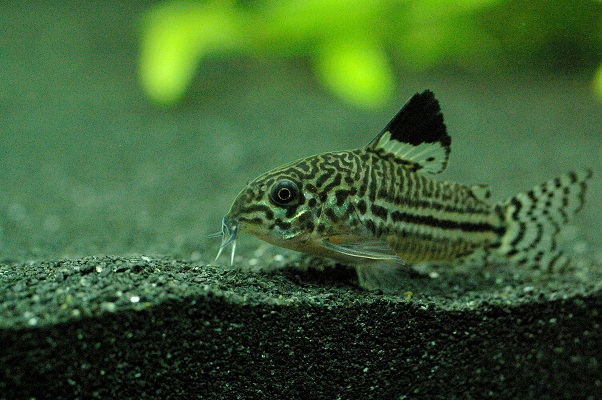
(357, 46)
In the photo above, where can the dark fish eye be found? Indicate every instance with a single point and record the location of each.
(284, 192)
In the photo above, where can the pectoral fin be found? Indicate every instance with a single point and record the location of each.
(368, 250)
(376, 264)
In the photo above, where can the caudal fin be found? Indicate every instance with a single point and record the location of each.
(534, 218)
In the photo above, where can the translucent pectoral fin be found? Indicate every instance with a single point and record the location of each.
(377, 265)
(368, 250)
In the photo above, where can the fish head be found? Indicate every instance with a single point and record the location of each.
(276, 209)
(281, 207)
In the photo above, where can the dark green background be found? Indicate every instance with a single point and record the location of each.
(89, 166)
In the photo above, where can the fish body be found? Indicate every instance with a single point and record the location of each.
(380, 207)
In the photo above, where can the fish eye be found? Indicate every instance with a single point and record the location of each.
(284, 192)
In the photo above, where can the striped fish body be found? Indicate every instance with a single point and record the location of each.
(379, 208)
(421, 218)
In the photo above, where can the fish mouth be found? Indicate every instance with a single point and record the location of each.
(229, 235)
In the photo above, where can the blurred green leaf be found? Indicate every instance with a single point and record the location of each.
(597, 83)
(353, 44)
(176, 36)
(357, 71)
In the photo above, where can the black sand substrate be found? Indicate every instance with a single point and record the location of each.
(142, 327)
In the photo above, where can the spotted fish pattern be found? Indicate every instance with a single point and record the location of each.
(380, 208)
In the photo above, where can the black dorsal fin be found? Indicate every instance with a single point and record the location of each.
(416, 134)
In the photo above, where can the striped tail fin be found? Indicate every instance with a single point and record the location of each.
(534, 218)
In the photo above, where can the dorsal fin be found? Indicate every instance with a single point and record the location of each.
(416, 135)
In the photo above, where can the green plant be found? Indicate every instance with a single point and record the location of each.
(356, 47)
